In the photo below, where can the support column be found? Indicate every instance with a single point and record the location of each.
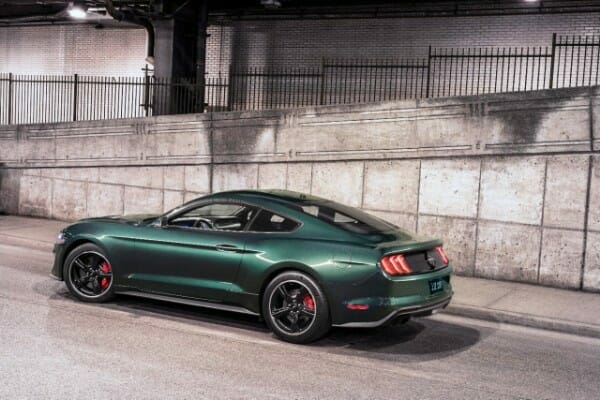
(180, 60)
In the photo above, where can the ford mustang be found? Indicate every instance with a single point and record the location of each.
(301, 262)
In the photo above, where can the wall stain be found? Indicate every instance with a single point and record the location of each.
(522, 126)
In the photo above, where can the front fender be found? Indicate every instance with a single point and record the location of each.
(61, 251)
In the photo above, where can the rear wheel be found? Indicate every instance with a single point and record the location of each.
(295, 308)
(88, 274)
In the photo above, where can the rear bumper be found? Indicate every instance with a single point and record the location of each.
(404, 311)
(380, 299)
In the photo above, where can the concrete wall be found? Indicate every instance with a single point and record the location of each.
(510, 182)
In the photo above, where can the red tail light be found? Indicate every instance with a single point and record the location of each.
(442, 254)
(395, 264)
(360, 307)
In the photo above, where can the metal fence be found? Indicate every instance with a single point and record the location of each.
(264, 88)
(458, 72)
(360, 81)
(576, 61)
(571, 61)
(28, 99)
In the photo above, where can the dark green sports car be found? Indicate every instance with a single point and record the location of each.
(301, 262)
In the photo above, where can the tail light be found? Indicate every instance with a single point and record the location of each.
(360, 307)
(442, 254)
(395, 264)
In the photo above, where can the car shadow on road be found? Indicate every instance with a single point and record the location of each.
(143, 306)
(139, 307)
(418, 340)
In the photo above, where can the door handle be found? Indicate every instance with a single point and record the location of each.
(227, 247)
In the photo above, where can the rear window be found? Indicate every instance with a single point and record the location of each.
(266, 221)
(347, 218)
(216, 210)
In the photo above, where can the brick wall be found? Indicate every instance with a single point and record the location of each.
(70, 49)
(306, 42)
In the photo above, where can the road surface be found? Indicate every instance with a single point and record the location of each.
(52, 346)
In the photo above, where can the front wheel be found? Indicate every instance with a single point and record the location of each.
(295, 308)
(88, 274)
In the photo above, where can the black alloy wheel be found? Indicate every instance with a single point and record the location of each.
(295, 308)
(88, 274)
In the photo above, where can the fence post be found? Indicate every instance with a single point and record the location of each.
(230, 89)
(10, 101)
(552, 60)
(146, 90)
(428, 72)
(75, 89)
(322, 83)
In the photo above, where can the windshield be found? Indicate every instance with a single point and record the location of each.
(344, 217)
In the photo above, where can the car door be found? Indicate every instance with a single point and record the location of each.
(195, 253)
(267, 242)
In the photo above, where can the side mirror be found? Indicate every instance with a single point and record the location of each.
(160, 222)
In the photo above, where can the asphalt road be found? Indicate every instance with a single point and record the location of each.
(52, 346)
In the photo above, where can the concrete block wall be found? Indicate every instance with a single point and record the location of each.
(510, 182)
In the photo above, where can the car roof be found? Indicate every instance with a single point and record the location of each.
(278, 200)
(286, 196)
(273, 199)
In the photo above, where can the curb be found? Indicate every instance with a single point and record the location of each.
(528, 320)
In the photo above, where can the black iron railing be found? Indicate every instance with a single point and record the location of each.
(570, 61)
(361, 81)
(458, 72)
(264, 88)
(28, 99)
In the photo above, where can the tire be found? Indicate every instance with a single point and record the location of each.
(88, 274)
(295, 308)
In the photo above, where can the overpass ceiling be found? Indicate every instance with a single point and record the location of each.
(55, 11)
(399, 8)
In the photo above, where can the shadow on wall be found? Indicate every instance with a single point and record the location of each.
(522, 125)
(2, 210)
(9, 189)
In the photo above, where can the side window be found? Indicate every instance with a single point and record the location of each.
(349, 219)
(218, 216)
(266, 221)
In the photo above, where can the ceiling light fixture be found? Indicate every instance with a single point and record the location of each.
(270, 4)
(76, 11)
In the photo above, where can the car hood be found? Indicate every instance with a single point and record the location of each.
(131, 219)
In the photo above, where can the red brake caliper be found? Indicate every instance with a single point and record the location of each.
(309, 302)
(106, 269)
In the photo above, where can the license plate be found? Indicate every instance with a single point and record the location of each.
(436, 285)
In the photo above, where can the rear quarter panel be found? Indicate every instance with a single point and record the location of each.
(329, 262)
